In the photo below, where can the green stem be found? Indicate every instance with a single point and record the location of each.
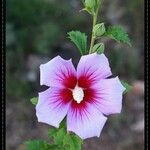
(94, 23)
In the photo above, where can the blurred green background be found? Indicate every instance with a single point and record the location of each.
(36, 31)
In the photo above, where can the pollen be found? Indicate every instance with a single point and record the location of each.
(78, 94)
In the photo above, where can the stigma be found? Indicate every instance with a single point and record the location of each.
(78, 94)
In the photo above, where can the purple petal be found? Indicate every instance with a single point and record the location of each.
(58, 73)
(85, 122)
(52, 106)
(93, 67)
(108, 97)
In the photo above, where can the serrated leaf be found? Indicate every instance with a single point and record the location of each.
(59, 136)
(34, 100)
(57, 133)
(73, 142)
(54, 147)
(117, 33)
(37, 145)
(63, 139)
(99, 48)
(80, 40)
(52, 132)
(127, 86)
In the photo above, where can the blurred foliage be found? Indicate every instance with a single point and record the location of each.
(35, 23)
(39, 27)
(35, 26)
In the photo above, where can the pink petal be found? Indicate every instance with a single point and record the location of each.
(92, 68)
(58, 73)
(53, 105)
(85, 121)
(108, 98)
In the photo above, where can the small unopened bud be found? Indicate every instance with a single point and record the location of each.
(99, 48)
(99, 29)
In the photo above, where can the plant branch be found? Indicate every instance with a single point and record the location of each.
(94, 23)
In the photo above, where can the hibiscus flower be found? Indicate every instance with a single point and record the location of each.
(86, 96)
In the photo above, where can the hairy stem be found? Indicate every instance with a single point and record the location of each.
(94, 23)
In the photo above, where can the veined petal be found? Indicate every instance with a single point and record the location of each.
(108, 95)
(58, 73)
(86, 121)
(92, 68)
(53, 105)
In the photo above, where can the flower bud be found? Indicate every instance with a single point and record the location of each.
(99, 29)
(99, 48)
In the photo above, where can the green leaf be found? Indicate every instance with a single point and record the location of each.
(127, 86)
(52, 132)
(39, 145)
(54, 147)
(58, 134)
(34, 100)
(63, 124)
(64, 139)
(99, 48)
(73, 141)
(99, 29)
(58, 138)
(80, 40)
(117, 33)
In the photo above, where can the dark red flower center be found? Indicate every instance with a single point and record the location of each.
(84, 83)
